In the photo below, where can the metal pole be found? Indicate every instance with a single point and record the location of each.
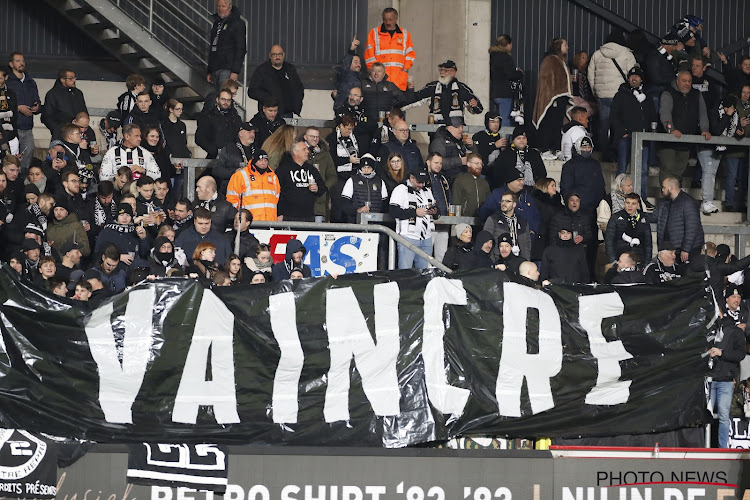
(244, 73)
(707, 438)
(150, 16)
(636, 157)
(391, 254)
(747, 193)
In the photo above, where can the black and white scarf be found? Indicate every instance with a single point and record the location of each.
(207, 203)
(37, 213)
(121, 228)
(177, 224)
(437, 107)
(100, 213)
(345, 147)
(244, 152)
(524, 166)
(731, 129)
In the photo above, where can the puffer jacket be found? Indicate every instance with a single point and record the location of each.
(685, 229)
(603, 75)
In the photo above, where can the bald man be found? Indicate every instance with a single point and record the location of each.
(678, 221)
(277, 78)
(222, 212)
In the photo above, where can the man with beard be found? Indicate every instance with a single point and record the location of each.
(247, 242)
(217, 125)
(256, 188)
(506, 221)
(235, 155)
(277, 78)
(488, 143)
(65, 227)
(678, 222)
(365, 131)
(266, 120)
(28, 105)
(447, 97)
(320, 157)
(182, 216)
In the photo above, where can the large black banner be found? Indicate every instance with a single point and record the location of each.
(390, 359)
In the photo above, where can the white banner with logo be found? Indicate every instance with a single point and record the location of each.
(328, 252)
(28, 466)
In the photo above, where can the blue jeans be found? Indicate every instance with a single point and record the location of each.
(504, 106)
(709, 160)
(623, 157)
(220, 76)
(736, 174)
(721, 395)
(407, 258)
(605, 104)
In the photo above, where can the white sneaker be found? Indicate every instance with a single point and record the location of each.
(549, 155)
(653, 170)
(708, 207)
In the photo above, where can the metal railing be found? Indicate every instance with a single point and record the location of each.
(414, 127)
(187, 29)
(636, 159)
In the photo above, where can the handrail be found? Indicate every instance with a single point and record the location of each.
(359, 228)
(414, 127)
(637, 147)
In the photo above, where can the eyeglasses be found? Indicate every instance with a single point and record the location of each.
(276, 54)
(401, 129)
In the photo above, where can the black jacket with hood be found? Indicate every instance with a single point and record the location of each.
(281, 270)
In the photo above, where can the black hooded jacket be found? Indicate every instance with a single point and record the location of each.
(282, 270)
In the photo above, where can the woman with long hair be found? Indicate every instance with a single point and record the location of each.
(394, 172)
(233, 268)
(153, 144)
(553, 95)
(502, 71)
(278, 144)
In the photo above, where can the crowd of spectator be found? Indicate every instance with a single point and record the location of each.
(90, 219)
(125, 196)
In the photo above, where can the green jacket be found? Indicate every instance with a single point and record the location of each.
(470, 193)
(69, 229)
(327, 169)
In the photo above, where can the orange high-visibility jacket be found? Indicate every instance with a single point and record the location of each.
(257, 192)
(395, 52)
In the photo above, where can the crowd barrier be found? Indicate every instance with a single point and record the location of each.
(698, 140)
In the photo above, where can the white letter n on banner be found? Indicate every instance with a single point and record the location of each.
(119, 384)
(515, 361)
(286, 380)
(349, 336)
(214, 330)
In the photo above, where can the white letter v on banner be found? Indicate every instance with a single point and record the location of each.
(119, 384)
